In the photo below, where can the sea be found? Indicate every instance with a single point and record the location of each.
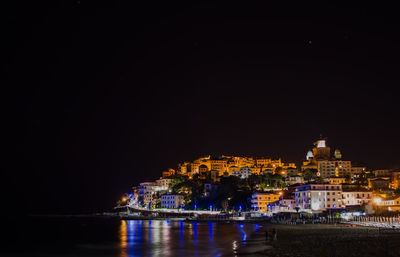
(98, 236)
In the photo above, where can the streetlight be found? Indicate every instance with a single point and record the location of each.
(195, 206)
(377, 200)
(210, 207)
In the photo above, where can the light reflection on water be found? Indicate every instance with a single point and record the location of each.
(179, 238)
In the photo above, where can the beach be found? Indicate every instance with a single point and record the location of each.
(323, 240)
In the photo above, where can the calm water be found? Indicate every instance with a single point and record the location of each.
(113, 237)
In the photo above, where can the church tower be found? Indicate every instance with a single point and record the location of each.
(321, 151)
(337, 154)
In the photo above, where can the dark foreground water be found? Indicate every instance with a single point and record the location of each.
(63, 236)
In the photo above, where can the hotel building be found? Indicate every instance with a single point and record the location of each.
(260, 201)
(318, 197)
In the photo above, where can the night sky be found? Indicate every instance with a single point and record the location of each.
(102, 97)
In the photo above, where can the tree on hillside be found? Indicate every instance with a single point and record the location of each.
(310, 174)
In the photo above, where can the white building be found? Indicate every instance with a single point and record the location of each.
(164, 183)
(318, 197)
(294, 180)
(356, 197)
(244, 172)
(283, 205)
(171, 201)
(148, 192)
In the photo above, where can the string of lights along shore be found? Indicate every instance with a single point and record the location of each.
(262, 186)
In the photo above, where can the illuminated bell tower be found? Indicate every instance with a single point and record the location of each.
(320, 150)
(338, 154)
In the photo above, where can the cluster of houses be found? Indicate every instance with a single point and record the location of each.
(318, 198)
(323, 183)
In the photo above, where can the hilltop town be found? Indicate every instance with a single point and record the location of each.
(325, 182)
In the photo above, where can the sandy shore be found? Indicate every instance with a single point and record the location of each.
(323, 240)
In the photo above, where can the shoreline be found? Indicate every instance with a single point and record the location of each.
(323, 240)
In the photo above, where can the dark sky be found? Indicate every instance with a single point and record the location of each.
(102, 97)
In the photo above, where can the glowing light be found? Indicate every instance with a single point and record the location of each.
(321, 143)
(195, 232)
(377, 200)
(210, 229)
(123, 235)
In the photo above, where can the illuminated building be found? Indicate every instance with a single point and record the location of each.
(310, 164)
(203, 169)
(356, 172)
(260, 201)
(233, 169)
(391, 175)
(220, 165)
(166, 174)
(283, 205)
(351, 197)
(336, 180)
(294, 180)
(390, 203)
(244, 172)
(334, 168)
(321, 151)
(183, 168)
(321, 160)
(214, 175)
(382, 173)
(147, 191)
(171, 201)
(256, 170)
(337, 154)
(381, 183)
(318, 197)
(164, 183)
(395, 180)
(231, 164)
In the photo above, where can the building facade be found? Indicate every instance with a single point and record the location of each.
(164, 183)
(171, 201)
(260, 201)
(318, 197)
(356, 197)
(294, 180)
(147, 191)
(334, 168)
(336, 180)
